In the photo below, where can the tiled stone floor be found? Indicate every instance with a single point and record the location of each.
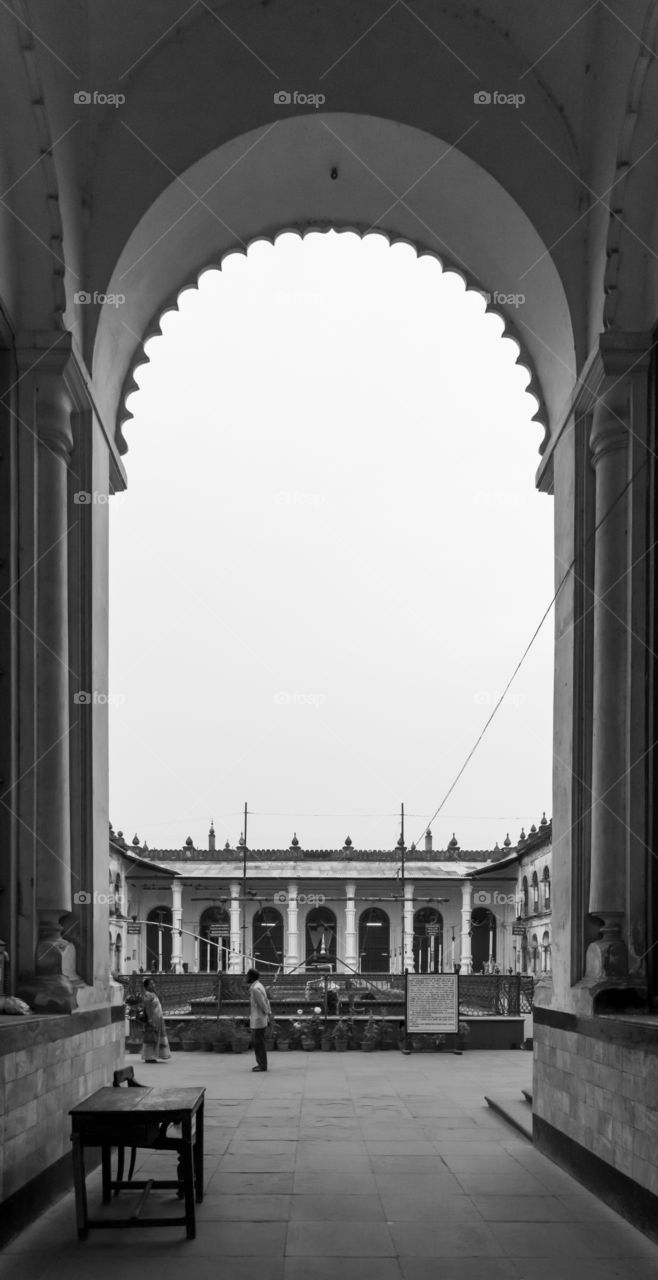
(353, 1167)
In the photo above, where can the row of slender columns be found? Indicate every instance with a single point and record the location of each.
(609, 443)
(54, 985)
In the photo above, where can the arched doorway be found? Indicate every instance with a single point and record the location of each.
(321, 938)
(215, 940)
(158, 940)
(374, 941)
(428, 941)
(267, 938)
(483, 939)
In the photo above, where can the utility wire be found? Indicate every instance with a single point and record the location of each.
(528, 647)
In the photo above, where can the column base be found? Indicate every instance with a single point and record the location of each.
(55, 985)
(607, 956)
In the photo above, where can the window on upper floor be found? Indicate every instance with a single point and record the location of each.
(535, 893)
(546, 882)
(524, 896)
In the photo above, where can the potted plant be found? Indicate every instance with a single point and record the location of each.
(296, 1035)
(341, 1035)
(326, 1039)
(282, 1037)
(311, 1030)
(240, 1037)
(463, 1032)
(189, 1037)
(219, 1037)
(372, 1036)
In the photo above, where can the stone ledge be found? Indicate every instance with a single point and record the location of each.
(632, 1030)
(42, 1028)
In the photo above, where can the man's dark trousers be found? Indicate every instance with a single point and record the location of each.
(259, 1047)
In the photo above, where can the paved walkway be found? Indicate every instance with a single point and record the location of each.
(353, 1167)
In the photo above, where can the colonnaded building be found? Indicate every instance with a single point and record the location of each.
(349, 910)
(143, 143)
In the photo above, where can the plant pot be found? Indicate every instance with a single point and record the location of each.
(340, 1044)
(283, 1046)
(326, 1044)
(308, 1043)
(368, 1045)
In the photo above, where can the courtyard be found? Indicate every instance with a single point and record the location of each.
(352, 1165)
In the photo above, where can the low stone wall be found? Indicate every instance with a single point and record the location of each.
(595, 1098)
(47, 1064)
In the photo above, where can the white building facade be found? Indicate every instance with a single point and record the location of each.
(348, 910)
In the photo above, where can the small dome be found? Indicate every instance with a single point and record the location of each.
(507, 843)
(533, 830)
(348, 842)
(523, 836)
(294, 844)
(227, 846)
(135, 839)
(454, 843)
(189, 843)
(400, 843)
(544, 820)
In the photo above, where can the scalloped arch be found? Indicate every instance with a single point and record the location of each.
(172, 305)
(277, 181)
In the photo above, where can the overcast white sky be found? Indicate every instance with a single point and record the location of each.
(329, 559)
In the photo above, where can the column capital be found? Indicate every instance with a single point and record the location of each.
(610, 430)
(54, 408)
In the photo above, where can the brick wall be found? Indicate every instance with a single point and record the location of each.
(601, 1093)
(47, 1065)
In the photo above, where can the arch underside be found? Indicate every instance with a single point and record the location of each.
(389, 179)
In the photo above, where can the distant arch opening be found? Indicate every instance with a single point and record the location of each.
(428, 941)
(374, 941)
(214, 940)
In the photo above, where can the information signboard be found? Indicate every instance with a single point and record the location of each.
(219, 931)
(518, 928)
(432, 1003)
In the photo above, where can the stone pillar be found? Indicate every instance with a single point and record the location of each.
(54, 985)
(351, 940)
(607, 956)
(177, 922)
(235, 959)
(408, 908)
(467, 906)
(292, 952)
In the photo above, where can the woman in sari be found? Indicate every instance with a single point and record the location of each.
(156, 1046)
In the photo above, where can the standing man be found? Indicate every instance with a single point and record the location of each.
(260, 1015)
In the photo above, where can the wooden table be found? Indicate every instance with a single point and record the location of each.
(139, 1118)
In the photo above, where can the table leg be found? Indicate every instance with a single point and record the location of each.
(188, 1176)
(106, 1164)
(198, 1155)
(80, 1186)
